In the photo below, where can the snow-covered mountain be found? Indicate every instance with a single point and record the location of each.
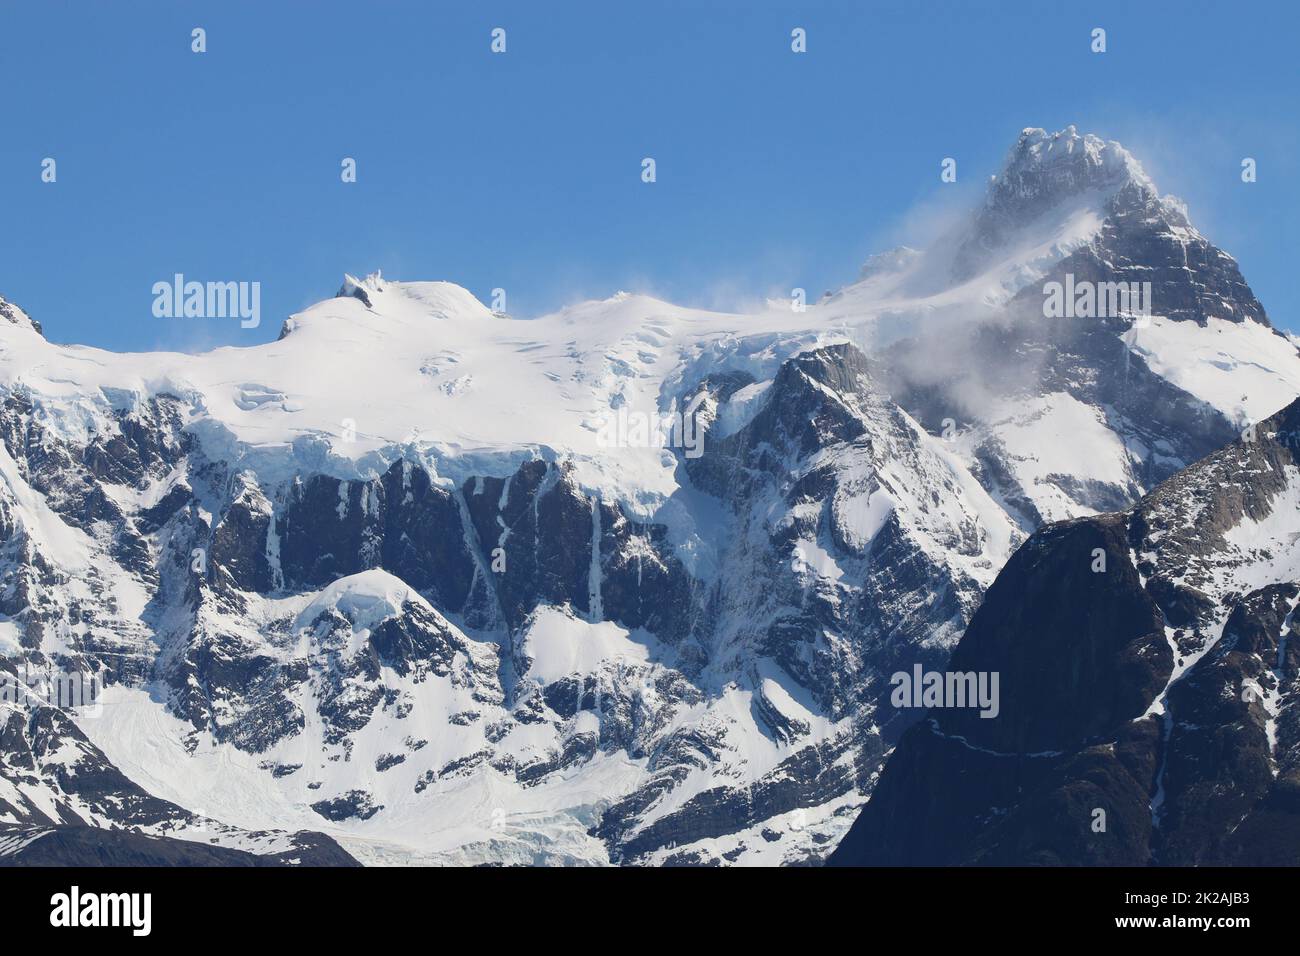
(624, 583)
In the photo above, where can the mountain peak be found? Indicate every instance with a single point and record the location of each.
(409, 303)
(1056, 188)
(362, 289)
(1055, 165)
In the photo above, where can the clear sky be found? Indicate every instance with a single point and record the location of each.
(522, 170)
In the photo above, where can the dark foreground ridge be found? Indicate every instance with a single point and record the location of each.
(1149, 690)
(80, 846)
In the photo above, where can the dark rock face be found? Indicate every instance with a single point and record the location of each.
(93, 846)
(1066, 677)
(1079, 654)
(241, 694)
(811, 406)
(402, 522)
(239, 541)
(643, 583)
(536, 531)
(528, 542)
(537, 525)
(355, 803)
(424, 537)
(330, 528)
(1103, 752)
(1144, 239)
(1220, 761)
(941, 802)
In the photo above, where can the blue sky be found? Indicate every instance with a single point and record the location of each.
(522, 170)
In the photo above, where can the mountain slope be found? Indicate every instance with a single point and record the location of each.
(1154, 691)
